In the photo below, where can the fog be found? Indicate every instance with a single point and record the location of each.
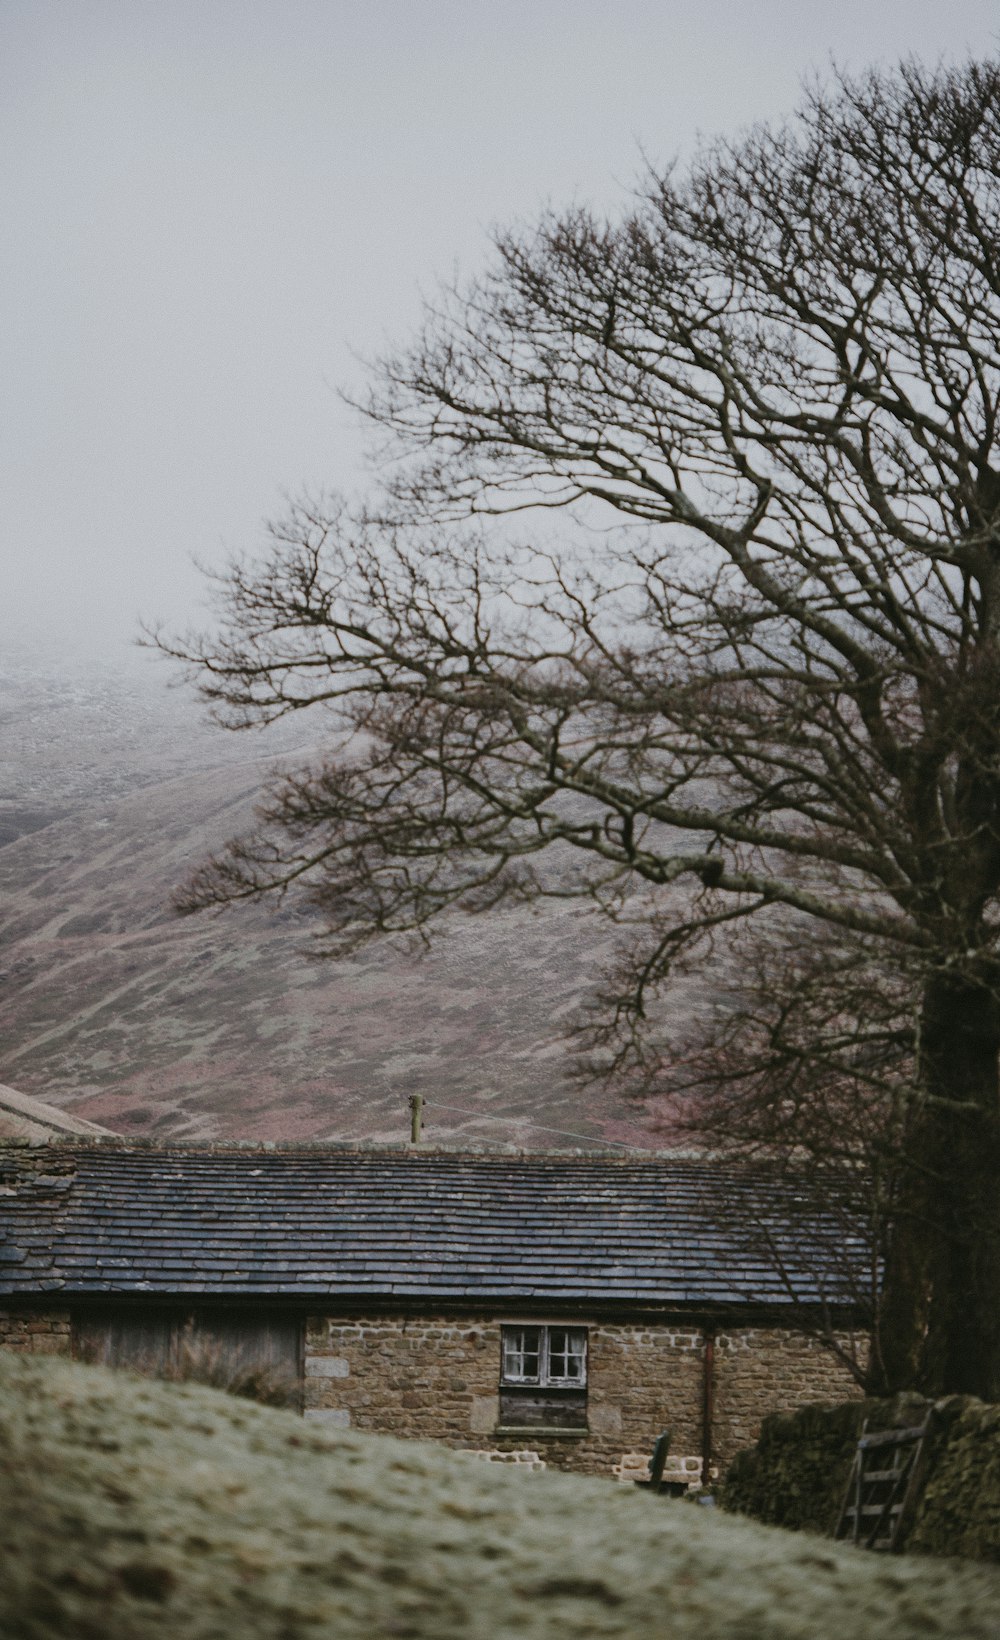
(212, 210)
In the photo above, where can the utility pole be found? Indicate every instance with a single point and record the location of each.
(416, 1108)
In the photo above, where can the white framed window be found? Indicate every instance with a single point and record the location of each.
(543, 1377)
(546, 1356)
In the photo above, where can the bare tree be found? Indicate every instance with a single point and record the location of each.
(775, 681)
(803, 1065)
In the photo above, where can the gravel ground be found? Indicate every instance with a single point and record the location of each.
(132, 1509)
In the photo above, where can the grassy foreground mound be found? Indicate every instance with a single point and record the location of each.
(133, 1509)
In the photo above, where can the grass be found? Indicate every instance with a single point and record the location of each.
(136, 1509)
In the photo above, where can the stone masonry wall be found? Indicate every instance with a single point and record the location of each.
(763, 1370)
(797, 1474)
(438, 1379)
(36, 1332)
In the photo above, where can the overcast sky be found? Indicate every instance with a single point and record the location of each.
(209, 206)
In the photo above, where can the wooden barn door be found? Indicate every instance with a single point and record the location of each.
(138, 1339)
(257, 1352)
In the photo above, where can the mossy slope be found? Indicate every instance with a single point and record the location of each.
(135, 1510)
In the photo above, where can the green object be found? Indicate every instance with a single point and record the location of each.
(658, 1462)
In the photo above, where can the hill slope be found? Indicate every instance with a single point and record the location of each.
(115, 1008)
(134, 1510)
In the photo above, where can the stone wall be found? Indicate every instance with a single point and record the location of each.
(764, 1370)
(437, 1379)
(36, 1332)
(797, 1474)
(959, 1512)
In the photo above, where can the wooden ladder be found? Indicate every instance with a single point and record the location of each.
(885, 1481)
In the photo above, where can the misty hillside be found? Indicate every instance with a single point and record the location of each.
(110, 789)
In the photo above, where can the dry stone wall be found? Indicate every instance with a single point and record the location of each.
(959, 1512)
(797, 1474)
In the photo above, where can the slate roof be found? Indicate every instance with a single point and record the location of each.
(407, 1225)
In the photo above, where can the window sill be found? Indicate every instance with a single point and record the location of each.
(543, 1431)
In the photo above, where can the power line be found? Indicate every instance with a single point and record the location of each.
(587, 1138)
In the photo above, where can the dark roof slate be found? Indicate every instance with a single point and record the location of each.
(410, 1225)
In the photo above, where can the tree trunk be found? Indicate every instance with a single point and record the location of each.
(939, 1324)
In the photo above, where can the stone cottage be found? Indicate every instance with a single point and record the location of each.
(563, 1305)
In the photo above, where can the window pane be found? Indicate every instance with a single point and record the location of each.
(567, 1355)
(520, 1354)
